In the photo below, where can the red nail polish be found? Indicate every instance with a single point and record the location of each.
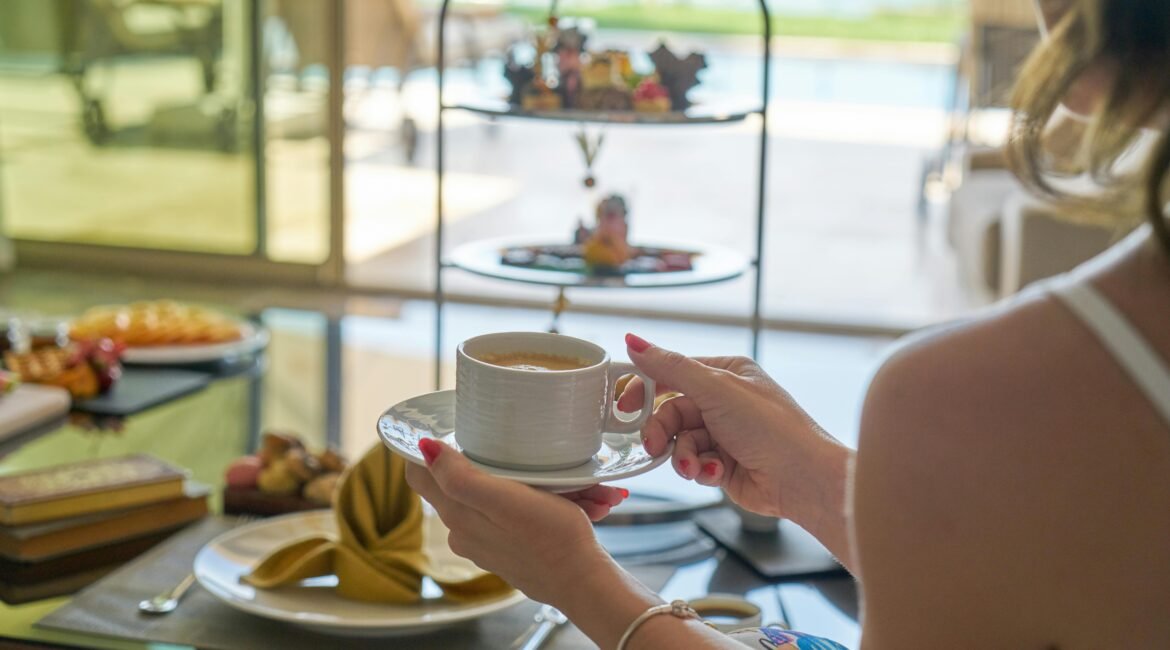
(637, 344)
(430, 450)
(625, 493)
(685, 466)
(709, 469)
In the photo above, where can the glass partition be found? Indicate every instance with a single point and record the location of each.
(162, 125)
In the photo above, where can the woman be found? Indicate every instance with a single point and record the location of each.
(1011, 488)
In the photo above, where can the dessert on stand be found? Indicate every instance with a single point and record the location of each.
(565, 74)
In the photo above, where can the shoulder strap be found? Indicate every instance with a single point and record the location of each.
(1131, 350)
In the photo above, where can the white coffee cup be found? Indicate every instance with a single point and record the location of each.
(538, 419)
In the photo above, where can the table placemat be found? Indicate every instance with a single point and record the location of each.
(109, 608)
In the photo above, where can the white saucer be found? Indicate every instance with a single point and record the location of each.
(433, 416)
(314, 604)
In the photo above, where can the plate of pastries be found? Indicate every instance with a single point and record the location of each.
(168, 332)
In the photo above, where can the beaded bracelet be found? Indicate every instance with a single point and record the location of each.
(677, 609)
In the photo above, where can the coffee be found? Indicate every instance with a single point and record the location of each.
(533, 361)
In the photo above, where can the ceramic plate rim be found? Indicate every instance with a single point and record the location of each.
(311, 619)
(533, 478)
(254, 338)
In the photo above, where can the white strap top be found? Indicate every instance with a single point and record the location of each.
(1131, 350)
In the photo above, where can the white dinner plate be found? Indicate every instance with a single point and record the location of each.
(433, 416)
(314, 604)
(253, 339)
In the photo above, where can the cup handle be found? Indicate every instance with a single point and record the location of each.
(613, 423)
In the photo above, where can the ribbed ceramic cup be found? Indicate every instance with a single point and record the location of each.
(532, 419)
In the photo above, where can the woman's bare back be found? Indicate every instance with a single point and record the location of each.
(1013, 483)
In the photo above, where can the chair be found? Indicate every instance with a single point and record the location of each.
(400, 34)
(1002, 35)
(96, 33)
(1003, 238)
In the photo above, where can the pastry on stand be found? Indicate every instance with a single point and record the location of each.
(569, 45)
(601, 80)
(539, 97)
(651, 96)
(607, 248)
(603, 88)
(678, 75)
(519, 75)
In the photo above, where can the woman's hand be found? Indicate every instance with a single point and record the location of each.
(543, 544)
(735, 428)
(539, 542)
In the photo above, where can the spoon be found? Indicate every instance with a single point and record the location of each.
(167, 601)
(544, 624)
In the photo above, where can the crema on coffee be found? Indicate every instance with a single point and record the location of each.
(533, 361)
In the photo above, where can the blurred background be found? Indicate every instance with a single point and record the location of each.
(291, 142)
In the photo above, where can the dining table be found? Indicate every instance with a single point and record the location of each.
(326, 376)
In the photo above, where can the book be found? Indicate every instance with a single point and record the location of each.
(86, 487)
(14, 572)
(18, 594)
(44, 540)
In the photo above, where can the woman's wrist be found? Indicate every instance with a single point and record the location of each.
(821, 507)
(604, 599)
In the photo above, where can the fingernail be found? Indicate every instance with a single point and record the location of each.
(637, 344)
(430, 450)
(625, 493)
(685, 466)
(709, 469)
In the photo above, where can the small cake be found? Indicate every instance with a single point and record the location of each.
(623, 67)
(607, 250)
(651, 96)
(597, 74)
(539, 97)
(610, 98)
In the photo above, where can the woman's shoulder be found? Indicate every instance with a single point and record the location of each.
(986, 356)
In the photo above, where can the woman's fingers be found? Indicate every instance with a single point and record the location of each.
(673, 417)
(696, 458)
(634, 394)
(687, 375)
(688, 447)
(499, 499)
(634, 391)
(592, 509)
(711, 469)
(450, 511)
(453, 485)
(421, 481)
(601, 494)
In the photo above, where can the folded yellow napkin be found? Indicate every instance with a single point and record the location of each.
(382, 549)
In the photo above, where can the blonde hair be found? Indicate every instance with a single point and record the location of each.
(1131, 38)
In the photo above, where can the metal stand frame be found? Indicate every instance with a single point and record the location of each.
(757, 262)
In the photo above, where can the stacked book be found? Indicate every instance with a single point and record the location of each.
(64, 527)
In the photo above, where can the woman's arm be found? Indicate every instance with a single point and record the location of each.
(609, 599)
(544, 545)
